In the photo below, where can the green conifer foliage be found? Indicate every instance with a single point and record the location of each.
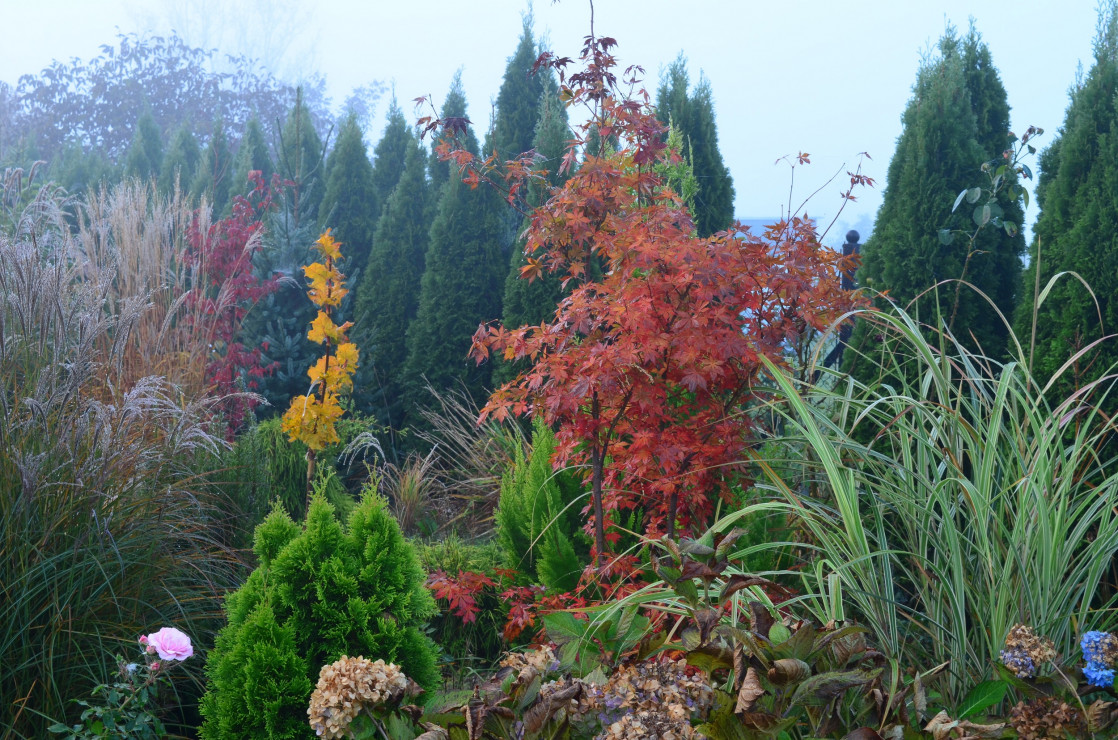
(1075, 229)
(390, 157)
(463, 278)
(349, 206)
(321, 591)
(518, 101)
(939, 153)
(145, 156)
(693, 112)
(82, 171)
(252, 154)
(532, 302)
(300, 161)
(215, 171)
(538, 517)
(180, 161)
(453, 107)
(388, 295)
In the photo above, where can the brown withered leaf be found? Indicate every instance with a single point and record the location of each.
(762, 619)
(862, 733)
(433, 732)
(547, 705)
(707, 619)
(750, 691)
(943, 727)
(788, 670)
(1101, 714)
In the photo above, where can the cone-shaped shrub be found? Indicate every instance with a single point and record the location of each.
(321, 591)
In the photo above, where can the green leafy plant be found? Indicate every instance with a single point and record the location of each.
(322, 590)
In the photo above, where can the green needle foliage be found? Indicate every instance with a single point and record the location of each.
(1075, 230)
(215, 172)
(180, 162)
(390, 157)
(539, 516)
(350, 206)
(321, 591)
(252, 154)
(145, 156)
(461, 287)
(979, 504)
(388, 295)
(692, 111)
(957, 119)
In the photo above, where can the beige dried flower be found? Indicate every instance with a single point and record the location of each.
(1047, 718)
(651, 725)
(1022, 637)
(346, 687)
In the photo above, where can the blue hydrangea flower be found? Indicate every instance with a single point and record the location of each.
(1099, 675)
(1094, 645)
(1018, 661)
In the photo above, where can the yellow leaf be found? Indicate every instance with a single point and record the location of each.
(329, 247)
(323, 328)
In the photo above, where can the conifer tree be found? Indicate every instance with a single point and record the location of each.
(454, 108)
(518, 100)
(252, 154)
(145, 156)
(215, 171)
(389, 157)
(940, 153)
(388, 296)
(349, 206)
(532, 302)
(463, 277)
(692, 111)
(1075, 229)
(180, 161)
(300, 161)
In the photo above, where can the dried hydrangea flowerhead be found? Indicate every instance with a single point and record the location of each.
(661, 690)
(1047, 717)
(1025, 651)
(348, 686)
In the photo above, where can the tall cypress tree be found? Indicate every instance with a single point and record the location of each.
(252, 154)
(454, 107)
(215, 171)
(518, 100)
(145, 156)
(693, 113)
(939, 153)
(349, 206)
(388, 295)
(461, 287)
(389, 157)
(532, 302)
(1078, 198)
(300, 162)
(180, 161)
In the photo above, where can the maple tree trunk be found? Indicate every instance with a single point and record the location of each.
(596, 463)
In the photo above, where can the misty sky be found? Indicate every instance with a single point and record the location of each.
(829, 78)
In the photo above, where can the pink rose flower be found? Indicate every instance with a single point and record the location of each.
(171, 644)
(155, 666)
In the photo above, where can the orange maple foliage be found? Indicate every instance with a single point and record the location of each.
(649, 372)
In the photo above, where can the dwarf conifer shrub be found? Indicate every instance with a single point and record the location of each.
(537, 521)
(322, 590)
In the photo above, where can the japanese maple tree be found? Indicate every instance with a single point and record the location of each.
(648, 371)
(219, 255)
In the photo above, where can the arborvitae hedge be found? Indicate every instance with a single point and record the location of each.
(1076, 229)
